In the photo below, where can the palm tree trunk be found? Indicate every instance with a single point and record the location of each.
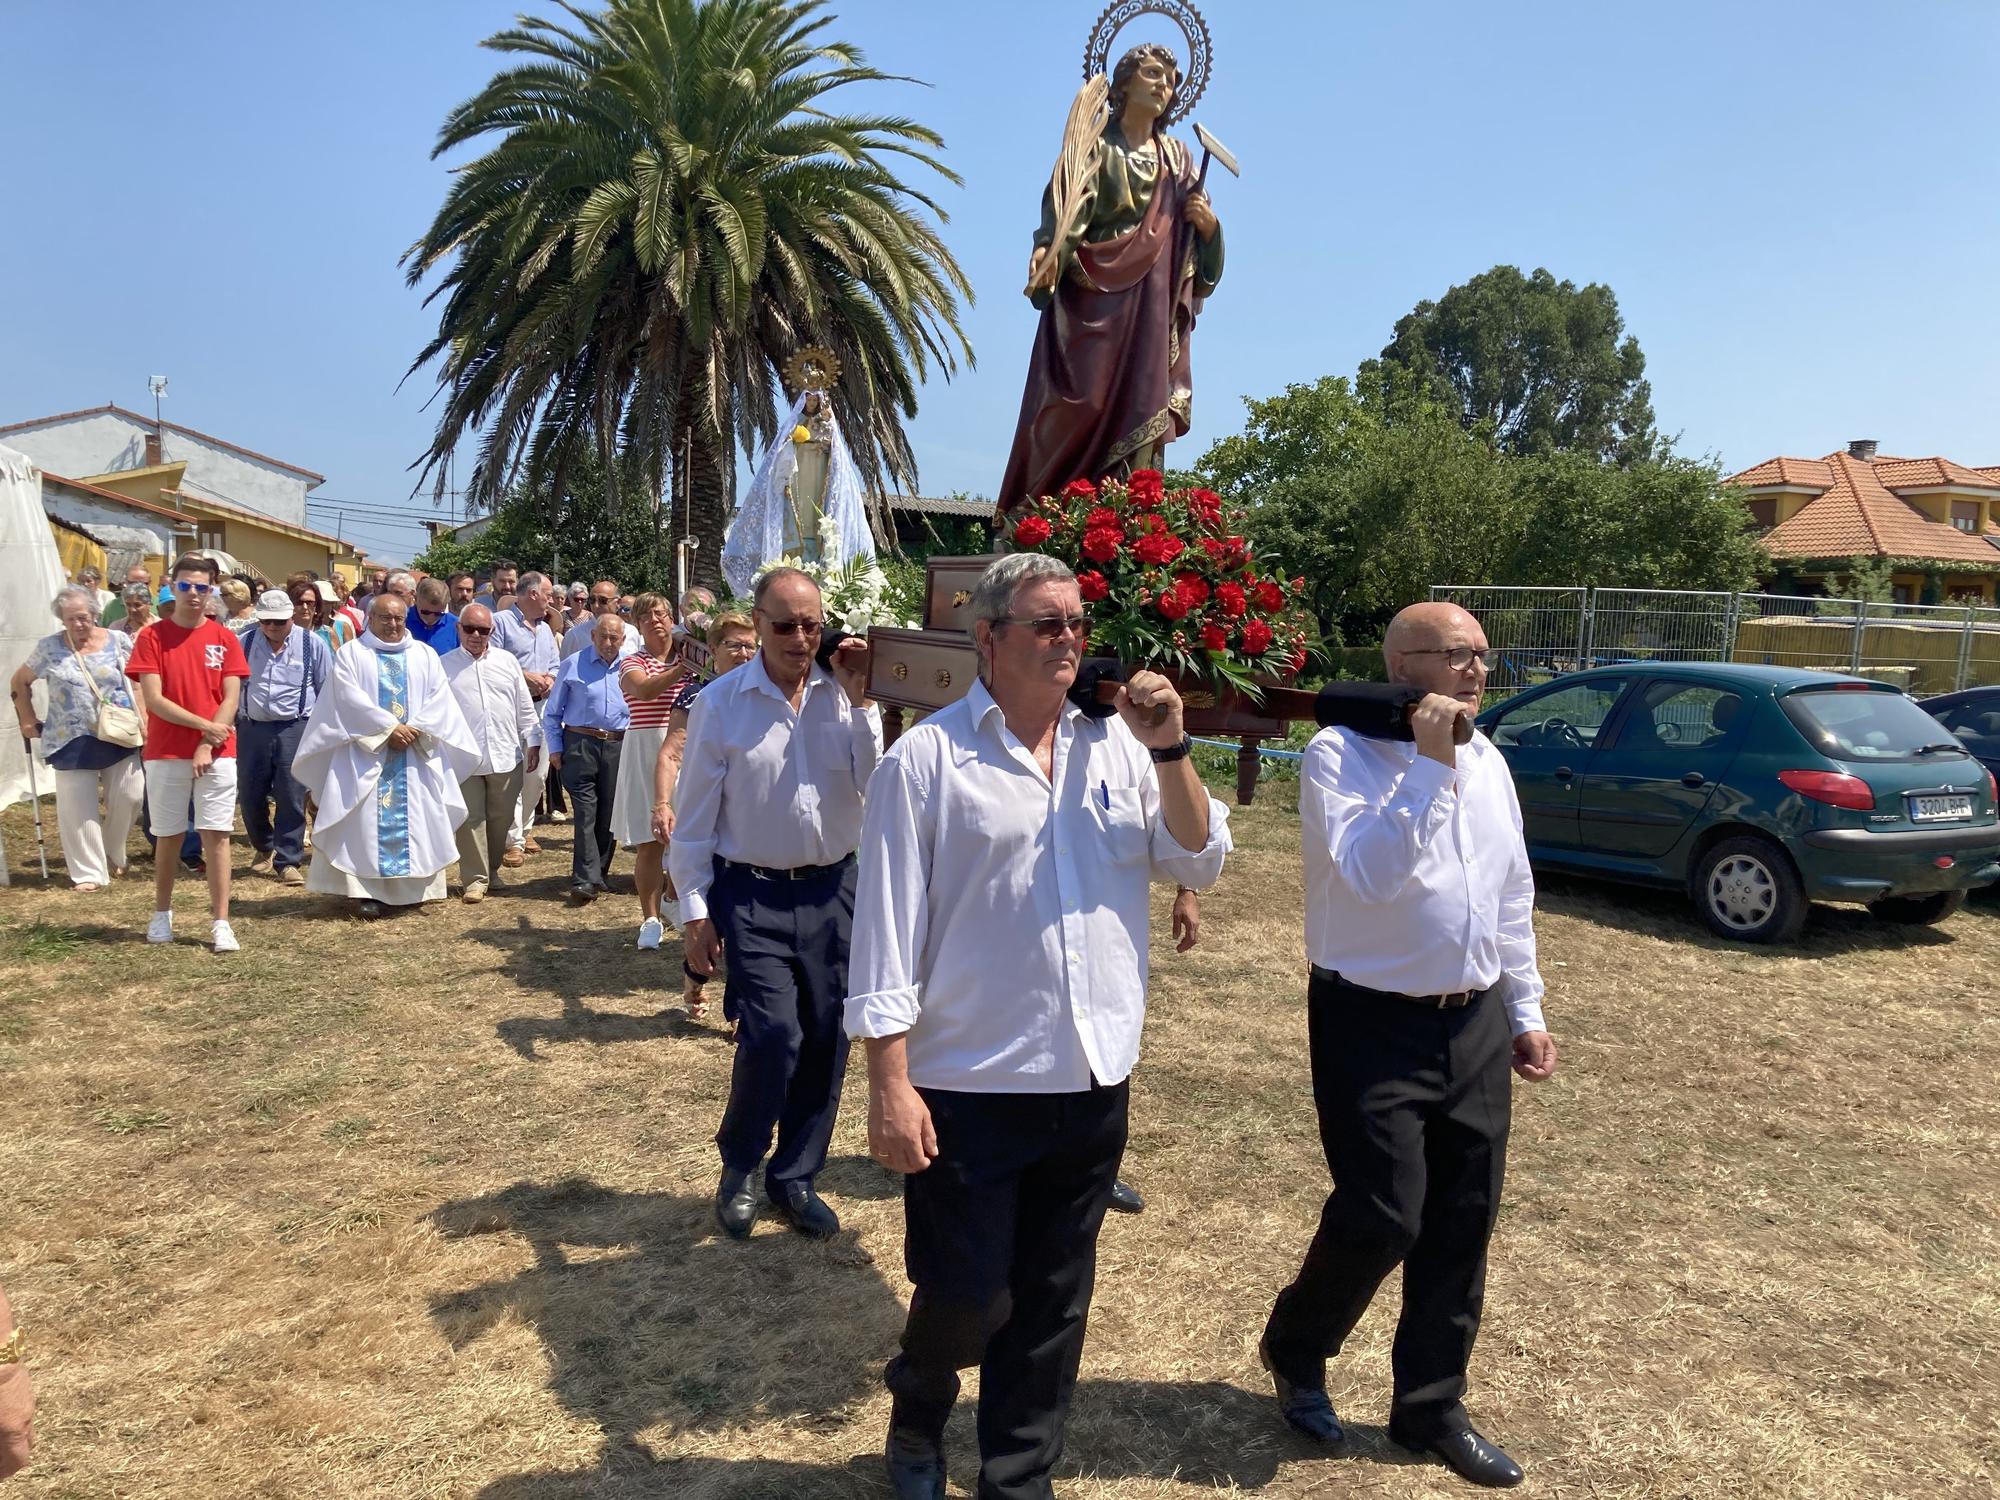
(702, 499)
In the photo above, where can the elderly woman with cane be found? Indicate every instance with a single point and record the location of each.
(90, 738)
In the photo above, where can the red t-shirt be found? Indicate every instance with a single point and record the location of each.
(192, 666)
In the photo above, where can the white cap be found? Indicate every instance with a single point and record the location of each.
(274, 604)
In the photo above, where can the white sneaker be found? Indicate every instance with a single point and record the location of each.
(650, 933)
(161, 928)
(224, 939)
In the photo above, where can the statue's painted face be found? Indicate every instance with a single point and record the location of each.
(1151, 80)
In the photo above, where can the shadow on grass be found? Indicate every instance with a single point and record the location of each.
(579, 965)
(678, 1326)
(1830, 931)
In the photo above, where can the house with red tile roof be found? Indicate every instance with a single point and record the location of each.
(1935, 523)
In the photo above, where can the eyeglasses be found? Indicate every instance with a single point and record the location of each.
(738, 648)
(475, 630)
(1053, 627)
(795, 627)
(1460, 658)
(185, 587)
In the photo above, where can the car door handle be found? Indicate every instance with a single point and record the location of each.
(1694, 778)
(1563, 773)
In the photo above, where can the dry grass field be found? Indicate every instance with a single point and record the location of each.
(420, 1208)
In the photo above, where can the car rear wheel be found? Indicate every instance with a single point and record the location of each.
(1918, 911)
(1746, 889)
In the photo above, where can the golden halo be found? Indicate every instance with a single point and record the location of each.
(813, 368)
(1201, 51)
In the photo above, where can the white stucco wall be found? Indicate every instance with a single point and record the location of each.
(100, 442)
(113, 524)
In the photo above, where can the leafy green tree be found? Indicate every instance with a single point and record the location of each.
(1543, 366)
(670, 206)
(1665, 523)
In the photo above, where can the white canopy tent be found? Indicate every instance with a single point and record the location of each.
(30, 573)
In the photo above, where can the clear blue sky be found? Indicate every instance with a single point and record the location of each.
(1797, 204)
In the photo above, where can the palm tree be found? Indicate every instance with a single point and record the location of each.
(670, 210)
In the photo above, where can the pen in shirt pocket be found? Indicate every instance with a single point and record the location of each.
(1104, 795)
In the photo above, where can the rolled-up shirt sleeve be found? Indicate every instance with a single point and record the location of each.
(1199, 868)
(1375, 849)
(552, 713)
(866, 726)
(891, 904)
(1520, 974)
(697, 809)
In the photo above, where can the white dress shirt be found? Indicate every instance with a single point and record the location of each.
(1001, 917)
(763, 785)
(493, 695)
(1417, 877)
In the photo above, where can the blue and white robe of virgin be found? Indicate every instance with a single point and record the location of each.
(386, 817)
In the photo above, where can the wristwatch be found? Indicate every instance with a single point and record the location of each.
(1174, 752)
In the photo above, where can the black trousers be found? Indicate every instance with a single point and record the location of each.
(1000, 1241)
(1413, 1109)
(786, 987)
(590, 771)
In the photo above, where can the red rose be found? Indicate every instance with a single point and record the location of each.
(1205, 506)
(1298, 585)
(1092, 585)
(1158, 548)
(1171, 604)
(1146, 487)
(1234, 604)
(1193, 587)
(1270, 596)
(1257, 638)
(1215, 547)
(1100, 546)
(1214, 638)
(1079, 489)
(1102, 518)
(1032, 531)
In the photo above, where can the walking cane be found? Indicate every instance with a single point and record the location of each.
(35, 792)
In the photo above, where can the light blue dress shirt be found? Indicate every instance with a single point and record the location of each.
(283, 685)
(586, 694)
(533, 646)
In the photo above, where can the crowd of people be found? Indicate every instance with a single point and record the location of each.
(971, 903)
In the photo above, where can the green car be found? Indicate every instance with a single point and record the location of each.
(1755, 789)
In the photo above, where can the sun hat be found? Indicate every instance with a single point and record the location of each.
(326, 591)
(274, 604)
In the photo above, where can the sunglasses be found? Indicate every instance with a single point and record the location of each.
(1053, 627)
(795, 627)
(185, 587)
(475, 630)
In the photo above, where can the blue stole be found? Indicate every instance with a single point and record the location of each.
(392, 800)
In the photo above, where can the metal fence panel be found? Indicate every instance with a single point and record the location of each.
(1660, 625)
(1539, 632)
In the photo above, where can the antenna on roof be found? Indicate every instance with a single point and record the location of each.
(157, 384)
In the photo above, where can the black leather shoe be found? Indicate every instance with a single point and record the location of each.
(1470, 1456)
(799, 1206)
(1125, 1198)
(916, 1463)
(582, 894)
(735, 1203)
(1305, 1407)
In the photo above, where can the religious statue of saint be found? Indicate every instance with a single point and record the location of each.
(805, 491)
(1128, 250)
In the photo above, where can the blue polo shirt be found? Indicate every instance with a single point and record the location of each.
(441, 637)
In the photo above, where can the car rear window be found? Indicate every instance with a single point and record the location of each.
(1864, 724)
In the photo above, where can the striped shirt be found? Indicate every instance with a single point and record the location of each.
(655, 713)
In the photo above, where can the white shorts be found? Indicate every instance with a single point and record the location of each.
(168, 786)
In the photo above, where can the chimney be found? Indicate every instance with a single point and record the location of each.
(153, 459)
(1863, 449)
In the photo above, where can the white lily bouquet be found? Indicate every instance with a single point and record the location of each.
(855, 594)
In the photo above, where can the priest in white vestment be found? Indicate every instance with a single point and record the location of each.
(383, 755)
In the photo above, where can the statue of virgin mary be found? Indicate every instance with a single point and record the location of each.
(805, 494)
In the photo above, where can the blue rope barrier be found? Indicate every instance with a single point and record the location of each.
(1274, 754)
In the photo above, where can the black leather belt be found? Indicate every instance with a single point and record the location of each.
(594, 734)
(797, 872)
(1456, 1000)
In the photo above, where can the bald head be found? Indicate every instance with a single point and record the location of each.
(1417, 647)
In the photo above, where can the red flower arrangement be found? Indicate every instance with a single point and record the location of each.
(1172, 581)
